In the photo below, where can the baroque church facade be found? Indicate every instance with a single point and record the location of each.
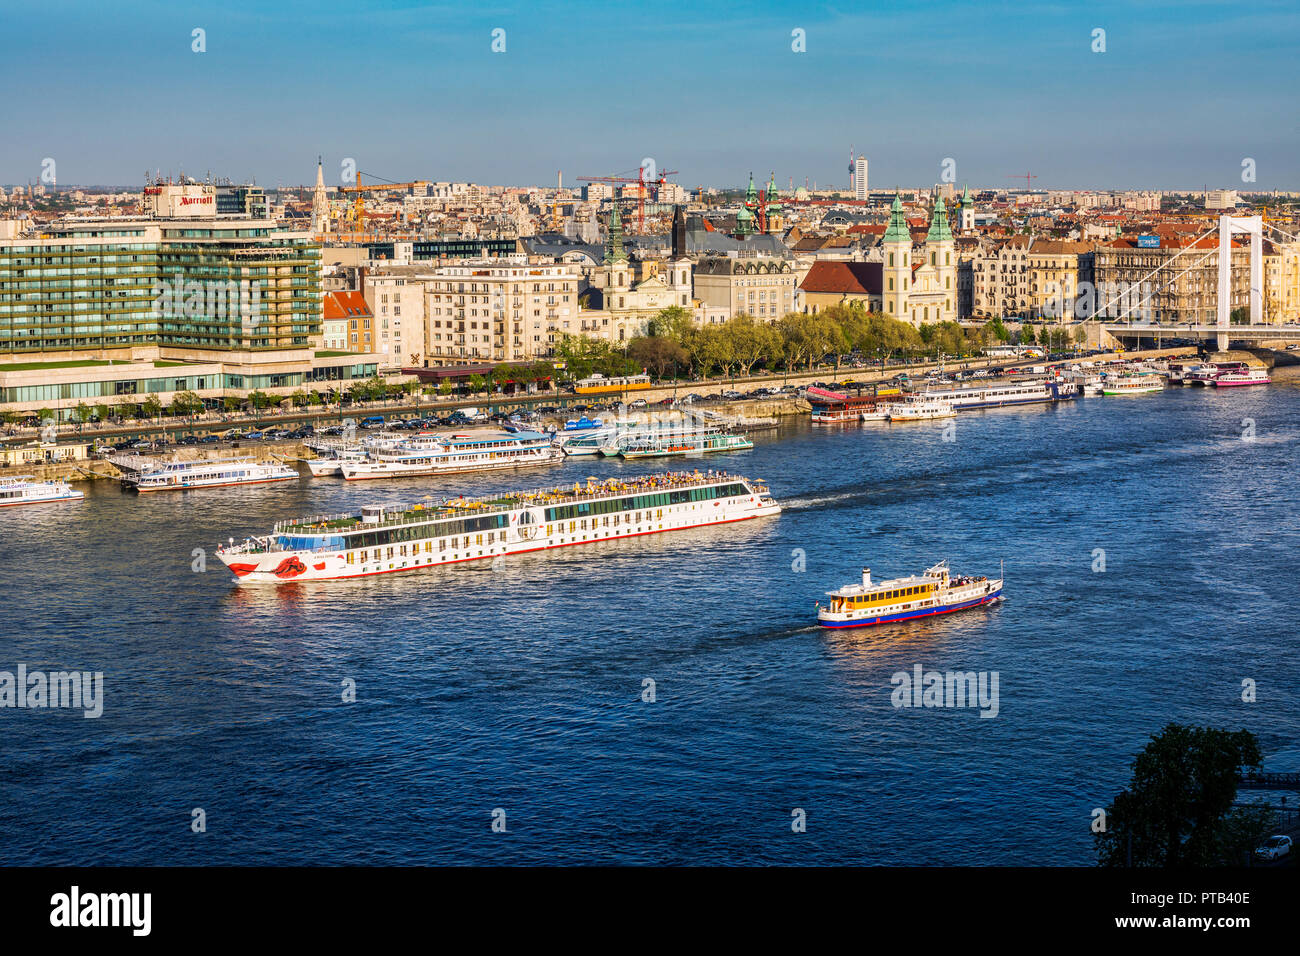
(919, 283)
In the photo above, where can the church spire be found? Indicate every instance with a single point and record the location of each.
(614, 249)
(939, 231)
(898, 230)
(320, 208)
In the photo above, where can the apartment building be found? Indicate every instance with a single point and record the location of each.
(92, 308)
(1176, 280)
(764, 287)
(501, 310)
(397, 305)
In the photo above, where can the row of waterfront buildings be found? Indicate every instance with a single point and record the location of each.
(98, 309)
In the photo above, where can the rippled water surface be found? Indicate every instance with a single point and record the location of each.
(520, 688)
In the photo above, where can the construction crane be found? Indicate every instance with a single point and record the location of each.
(1027, 177)
(642, 185)
(359, 209)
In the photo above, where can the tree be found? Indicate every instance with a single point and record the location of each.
(259, 399)
(1026, 334)
(657, 352)
(231, 403)
(151, 407)
(750, 342)
(186, 403)
(1176, 809)
(101, 412)
(476, 383)
(444, 388)
(82, 411)
(997, 330)
(301, 398)
(674, 322)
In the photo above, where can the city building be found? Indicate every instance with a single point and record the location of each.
(861, 190)
(93, 309)
(835, 282)
(1167, 279)
(920, 285)
(763, 287)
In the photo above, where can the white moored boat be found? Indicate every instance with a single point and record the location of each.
(1133, 385)
(26, 490)
(1249, 376)
(996, 395)
(211, 473)
(331, 458)
(455, 454)
(920, 409)
(901, 599)
(697, 443)
(378, 540)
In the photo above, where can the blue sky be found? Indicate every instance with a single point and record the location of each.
(1182, 94)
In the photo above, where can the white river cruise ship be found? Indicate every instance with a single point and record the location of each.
(996, 395)
(25, 490)
(454, 454)
(213, 473)
(379, 540)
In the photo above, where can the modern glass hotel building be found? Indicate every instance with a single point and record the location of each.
(111, 310)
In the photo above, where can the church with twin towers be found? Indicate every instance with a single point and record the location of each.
(920, 285)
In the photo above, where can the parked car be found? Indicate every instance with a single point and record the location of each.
(255, 436)
(373, 421)
(1274, 848)
(208, 440)
(188, 440)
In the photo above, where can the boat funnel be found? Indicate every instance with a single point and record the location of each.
(866, 577)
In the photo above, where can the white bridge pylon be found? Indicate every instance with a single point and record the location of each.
(1228, 227)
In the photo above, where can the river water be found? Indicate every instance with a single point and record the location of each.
(1149, 546)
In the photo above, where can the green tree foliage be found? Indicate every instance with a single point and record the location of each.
(186, 403)
(151, 407)
(583, 355)
(659, 353)
(674, 322)
(1177, 810)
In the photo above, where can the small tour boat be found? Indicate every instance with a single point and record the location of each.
(1132, 385)
(26, 490)
(921, 409)
(1249, 376)
(902, 599)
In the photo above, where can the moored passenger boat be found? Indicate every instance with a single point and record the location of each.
(26, 490)
(999, 394)
(455, 454)
(902, 599)
(658, 444)
(1247, 376)
(920, 409)
(207, 473)
(834, 408)
(378, 540)
(1132, 385)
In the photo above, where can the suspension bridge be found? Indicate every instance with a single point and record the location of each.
(1131, 323)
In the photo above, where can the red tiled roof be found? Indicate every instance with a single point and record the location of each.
(346, 304)
(844, 278)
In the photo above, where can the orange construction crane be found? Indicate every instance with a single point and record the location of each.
(642, 185)
(359, 209)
